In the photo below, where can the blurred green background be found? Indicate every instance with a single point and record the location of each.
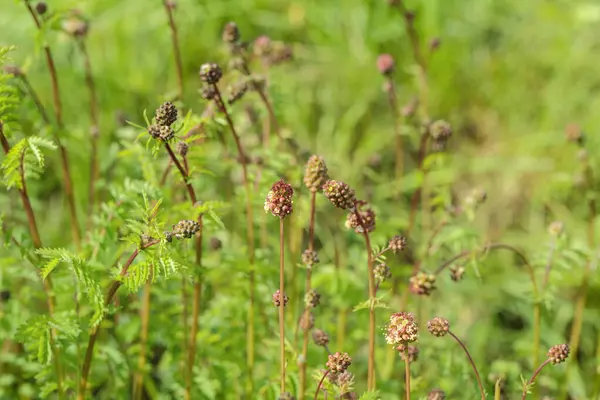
(509, 75)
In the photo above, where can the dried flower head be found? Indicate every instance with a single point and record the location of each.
(401, 329)
(166, 114)
(231, 33)
(338, 362)
(185, 229)
(438, 326)
(312, 299)
(307, 321)
(310, 258)
(320, 337)
(436, 394)
(413, 352)
(574, 133)
(556, 228)
(364, 221)
(440, 130)
(422, 283)
(164, 133)
(41, 8)
(286, 396)
(397, 244)
(210, 73)
(457, 272)
(279, 201)
(315, 173)
(215, 243)
(277, 299)
(386, 64)
(558, 353)
(339, 194)
(182, 148)
(382, 272)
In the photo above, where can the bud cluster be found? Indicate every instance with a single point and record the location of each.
(279, 200)
(422, 283)
(338, 363)
(438, 326)
(315, 173)
(339, 194)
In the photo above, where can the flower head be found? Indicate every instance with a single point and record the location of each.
(401, 329)
(185, 229)
(397, 244)
(413, 352)
(231, 33)
(277, 298)
(315, 173)
(382, 272)
(339, 194)
(320, 337)
(422, 283)
(436, 394)
(312, 299)
(310, 258)
(338, 362)
(279, 199)
(456, 272)
(210, 73)
(361, 220)
(166, 114)
(438, 326)
(386, 64)
(558, 353)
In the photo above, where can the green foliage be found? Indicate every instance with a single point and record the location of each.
(25, 160)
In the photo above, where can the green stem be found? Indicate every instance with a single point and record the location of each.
(471, 362)
(281, 306)
(535, 374)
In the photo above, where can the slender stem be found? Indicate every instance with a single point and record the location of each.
(94, 130)
(407, 373)
(472, 363)
(36, 99)
(535, 374)
(183, 173)
(414, 201)
(549, 264)
(311, 245)
(498, 390)
(112, 290)
(320, 384)
(249, 232)
(68, 182)
(37, 243)
(281, 305)
(176, 51)
(145, 318)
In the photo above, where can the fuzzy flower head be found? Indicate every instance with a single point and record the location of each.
(210, 73)
(436, 394)
(231, 33)
(386, 64)
(382, 272)
(413, 352)
(440, 130)
(401, 329)
(185, 229)
(277, 299)
(339, 194)
(279, 199)
(438, 326)
(338, 362)
(310, 258)
(320, 337)
(397, 244)
(422, 283)
(161, 132)
(315, 173)
(166, 114)
(558, 353)
(312, 299)
(362, 220)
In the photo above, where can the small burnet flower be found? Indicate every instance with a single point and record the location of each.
(41, 8)
(440, 130)
(307, 321)
(215, 243)
(182, 148)
(382, 272)
(338, 362)
(457, 272)
(558, 353)
(343, 379)
(413, 352)
(573, 133)
(339, 194)
(277, 299)
(397, 244)
(286, 396)
(279, 201)
(210, 73)
(312, 299)
(262, 46)
(386, 64)
(422, 283)
(310, 258)
(315, 173)
(164, 133)
(556, 228)
(185, 229)
(401, 329)
(364, 221)
(231, 33)
(166, 114)
(320, 337)
(436, 394)
(208, 92)
(438, 326)
(237, 91)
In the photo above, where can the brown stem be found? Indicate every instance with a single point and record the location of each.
(281, 305)
(321, 384)
(176, 51)
(112, 290)
(183, 173)
(472, 363)
(407, 374)
(535, 374)
(145, 318)
(249, 232)
(68, 182)
(311, 244)
(94, 130)
(37, 243)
